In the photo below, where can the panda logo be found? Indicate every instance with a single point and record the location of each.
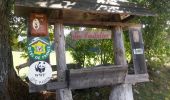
(40, 67)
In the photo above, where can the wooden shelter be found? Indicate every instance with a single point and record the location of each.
(110, 14)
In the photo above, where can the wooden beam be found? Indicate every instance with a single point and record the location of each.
(92, 77)
(121, 91)
(82, 23)
(34, 88)
(136, 78)
(62, 94)
(137, 46)
(85, 79)
(56, 85)
(97, 77)
(128, 18)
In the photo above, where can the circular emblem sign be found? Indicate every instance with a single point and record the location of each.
(36, 24)
(39, 48)
(40, 72)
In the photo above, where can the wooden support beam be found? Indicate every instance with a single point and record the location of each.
(35, 88)
(97, 76)
(121, 91)
(85, 79)
(62, 94)
(137, 46)
(92, 77)
(99, 24)
(136, 78)
(56, 85)
(128, 18)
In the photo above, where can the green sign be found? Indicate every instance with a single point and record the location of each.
(39, 48)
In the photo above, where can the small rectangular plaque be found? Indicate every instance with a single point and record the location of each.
(138, 51)
(38, 24)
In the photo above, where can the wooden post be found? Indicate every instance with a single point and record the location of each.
(121, 91)
(137, 46)
(62, 94)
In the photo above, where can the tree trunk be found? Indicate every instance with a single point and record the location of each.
(4, 51)
(11, 86)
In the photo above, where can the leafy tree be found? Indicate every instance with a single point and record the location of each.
(90, 52)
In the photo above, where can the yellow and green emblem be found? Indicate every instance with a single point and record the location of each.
(39, 48)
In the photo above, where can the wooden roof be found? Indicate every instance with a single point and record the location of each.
(82, 10)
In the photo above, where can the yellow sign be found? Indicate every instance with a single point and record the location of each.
(39, 48)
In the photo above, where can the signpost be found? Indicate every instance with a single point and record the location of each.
(39, 48)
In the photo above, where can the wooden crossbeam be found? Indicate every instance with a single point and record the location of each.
(97, 76)
(94, 77)
(129, 79)
(97, 24)
(136, 78)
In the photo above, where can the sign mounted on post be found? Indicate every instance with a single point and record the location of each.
(40, 72)
(38, 24)
(76, 35)
(137, 46)
(39, 48)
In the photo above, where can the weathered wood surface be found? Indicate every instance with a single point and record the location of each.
(121, 91)
(61, 94)
(97, 76)
(118, 44)
(137, 46)
(95, 6)
(100, 24)
(129, 79)
(136, 78)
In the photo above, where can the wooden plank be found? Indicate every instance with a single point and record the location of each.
(136, 78)
(89, 6)
(34, 88)
(103, 24)
(121, 91)
(56, 85)
(96, 77)
(100, 68)
(92, 77)
(61, 94)
(137, 46)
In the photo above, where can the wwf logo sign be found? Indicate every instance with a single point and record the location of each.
(40, 67)
(40, 72)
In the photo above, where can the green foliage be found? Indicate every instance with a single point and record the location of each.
(90, 52)
(157, 89)
(156, 30)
